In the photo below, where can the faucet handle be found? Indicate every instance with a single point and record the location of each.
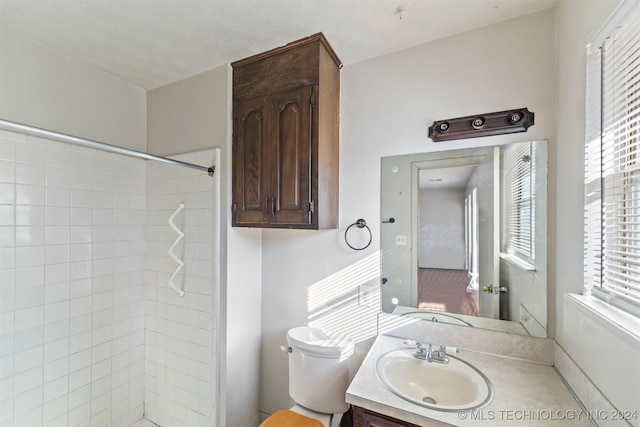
(413, 343)
(449, 349)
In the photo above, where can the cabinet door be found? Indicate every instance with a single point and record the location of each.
(251, 195)
(365, 418)
(290, 157)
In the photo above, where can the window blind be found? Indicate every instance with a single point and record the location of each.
(519, 180)
(612, 167)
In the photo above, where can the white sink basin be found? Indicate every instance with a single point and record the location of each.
(453, 386)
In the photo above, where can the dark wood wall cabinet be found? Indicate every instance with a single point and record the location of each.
(285, 137)
(365, 418)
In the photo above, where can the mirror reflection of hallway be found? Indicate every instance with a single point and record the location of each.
(448, 241)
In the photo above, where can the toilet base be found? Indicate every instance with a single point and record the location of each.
(324, 419)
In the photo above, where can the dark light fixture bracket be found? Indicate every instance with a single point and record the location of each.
(498, 123)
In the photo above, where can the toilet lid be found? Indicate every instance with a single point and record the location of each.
(315, 342)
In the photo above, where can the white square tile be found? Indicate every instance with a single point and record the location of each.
(30, 153)
(7, 215)
(25, 381)
(7, 281)
(80, 270)
(80, 360)
(120, 362)
(30, 236)
(28, 215)
(81, 414)
(79, 396)
(57, 274)
(81, 378)
(29, 174)
(55, 215)
(7, 194)
(81, 252)
(81, 180)
(81, 233)
(56, 350)
(103, 200)
(56, 331)
(7, 321)
(81, 305)
(29, 277)
(55, 177)
(77, 161)
(27, 409)
(103, 217)
(7, 237)
(57, 196)
(7, 258)
(28, 359)
(56, 369)
(81, 198)
(29, 256)
(56, 292)
(54, 409)
(56, 254)
(79, 342)
(56, 311)
(80, 288)
(56, 388)
(29, 318)
(102, 318)
(7, 149)
(55, 156)
(7, 171)
(28, 298)
(101, 352)
(100, 389)
(100, 369)
(103, 183)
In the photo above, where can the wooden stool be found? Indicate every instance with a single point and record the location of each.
(287, 418)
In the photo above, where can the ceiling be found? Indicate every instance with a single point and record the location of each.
(151, 43)
(440, 178)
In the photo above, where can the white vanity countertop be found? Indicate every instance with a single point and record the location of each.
(526, 394)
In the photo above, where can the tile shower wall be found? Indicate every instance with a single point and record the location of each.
(181, 357)
(71, 284)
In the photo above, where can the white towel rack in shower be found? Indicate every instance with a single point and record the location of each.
(172, 255)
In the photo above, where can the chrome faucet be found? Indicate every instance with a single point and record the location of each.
(430, 354)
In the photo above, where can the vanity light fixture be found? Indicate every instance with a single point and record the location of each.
(497, 123)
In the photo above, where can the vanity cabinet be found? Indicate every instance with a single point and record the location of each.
(285, 137)
(365, 418)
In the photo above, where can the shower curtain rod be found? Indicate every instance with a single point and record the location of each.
(31, 130)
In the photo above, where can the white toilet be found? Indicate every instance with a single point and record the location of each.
(319, 375)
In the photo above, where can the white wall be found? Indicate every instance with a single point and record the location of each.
(581, 333)
(43, 88)
(72, 273)
(71, 284)
(181, 351)
(387, 104)
(193, 114)
(441, 241)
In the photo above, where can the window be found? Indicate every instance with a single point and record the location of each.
(612, 165)
(519, 201)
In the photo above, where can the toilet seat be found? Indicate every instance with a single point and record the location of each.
(288, 418)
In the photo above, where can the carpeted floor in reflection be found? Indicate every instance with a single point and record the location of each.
(445, 290)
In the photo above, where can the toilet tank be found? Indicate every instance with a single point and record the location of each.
(319, 369)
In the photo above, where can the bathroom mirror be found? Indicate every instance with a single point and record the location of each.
(464, 237)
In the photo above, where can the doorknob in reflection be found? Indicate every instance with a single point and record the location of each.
(490, 289)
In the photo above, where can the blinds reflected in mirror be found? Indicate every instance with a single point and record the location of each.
(519, 197)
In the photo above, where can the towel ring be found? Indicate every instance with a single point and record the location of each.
(361, 223)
